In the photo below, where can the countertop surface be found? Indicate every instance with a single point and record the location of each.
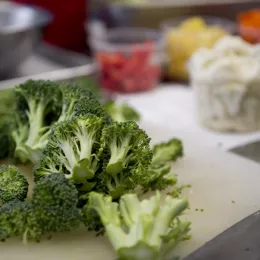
(173, 106)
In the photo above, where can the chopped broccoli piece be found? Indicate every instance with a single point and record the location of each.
(55, 201)
(13, 185)
(167, 152)
(121, 113)
(127, 156)
(17, 218)
(158, 178)
(36, 107)
(142, 230)
(74, 149)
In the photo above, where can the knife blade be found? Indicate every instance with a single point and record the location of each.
(239, 242)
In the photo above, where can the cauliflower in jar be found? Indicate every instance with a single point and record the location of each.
(226, 82)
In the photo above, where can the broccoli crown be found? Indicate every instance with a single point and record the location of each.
(55, 202)
(87, 106)
(72, 96)
(168, 152)
(121, 113)
(37, 106)
(13, 185)
(17, 218)
(74, 149)
(127, 156)
(141, 229)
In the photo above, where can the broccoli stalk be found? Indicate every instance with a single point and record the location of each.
(73, 148)
(127, 151)
(13, 185)
(141, 230)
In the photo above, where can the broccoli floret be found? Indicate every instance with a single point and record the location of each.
(92, 106)
(13, 185)
(142, 230)
(91, 85)
(158, 175)
(37, 103)
(92, 221)
(6, 144)
(72, 98)
(167, 152)
(55, 201)
(121, 113)
(42, 104)
(127, 156)
(158, 178)
(6, 122)
(74, 149)
(17, 218)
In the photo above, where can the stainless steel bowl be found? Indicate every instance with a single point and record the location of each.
(20, 32)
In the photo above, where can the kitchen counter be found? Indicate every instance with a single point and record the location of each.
(173, 106)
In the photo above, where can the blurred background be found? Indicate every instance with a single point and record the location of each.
(134, 48)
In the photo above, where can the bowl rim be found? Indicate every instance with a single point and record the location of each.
(103, 42)
(41, 17)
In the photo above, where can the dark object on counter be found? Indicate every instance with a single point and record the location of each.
(250, 151)
(240, 242)
(20, 32)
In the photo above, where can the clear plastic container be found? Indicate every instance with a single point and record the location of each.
(130, 58)
(186, 34)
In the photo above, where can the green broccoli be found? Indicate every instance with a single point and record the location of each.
(74, 149)
(36, 109)
(142, 230)
(121, 113)
(158, 174)
(6, 144)
(55, 201)
(17, 218)
(167, 152)
(6, 122)
(42, 104)
(92, 106)
(158, 178)
(13, 185)
(73, 96)
(127, 156)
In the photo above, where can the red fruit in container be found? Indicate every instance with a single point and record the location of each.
(128, 66)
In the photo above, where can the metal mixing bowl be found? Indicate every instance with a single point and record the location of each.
(20, 32)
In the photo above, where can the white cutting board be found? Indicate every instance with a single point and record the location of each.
(217, 179)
